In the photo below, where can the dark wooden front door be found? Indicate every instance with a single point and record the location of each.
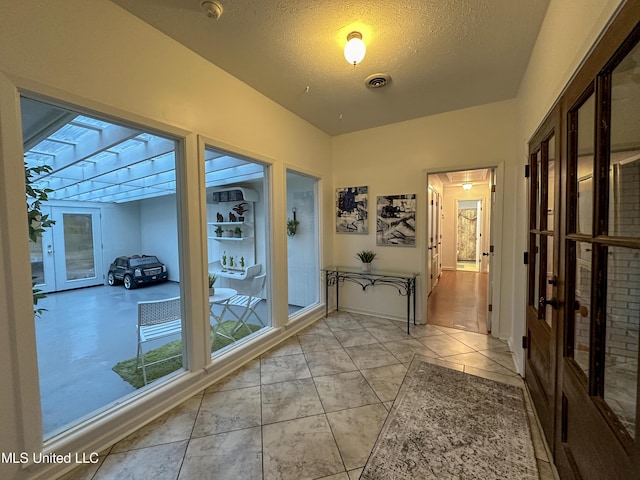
(583, 315)
(543, 261)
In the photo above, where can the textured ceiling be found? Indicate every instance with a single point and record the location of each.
(441, 55)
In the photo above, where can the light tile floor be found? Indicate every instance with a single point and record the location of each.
(311, 408)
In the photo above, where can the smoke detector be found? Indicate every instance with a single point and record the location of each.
(377, 80)
(213, 9)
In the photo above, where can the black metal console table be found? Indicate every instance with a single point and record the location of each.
(405, 283)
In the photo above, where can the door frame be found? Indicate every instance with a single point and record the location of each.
(495, 326)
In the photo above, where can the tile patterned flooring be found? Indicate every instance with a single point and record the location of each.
(311, 408)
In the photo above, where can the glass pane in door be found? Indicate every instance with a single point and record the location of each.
(78, 246)
(585, 167)
(621, 341)
(551, 148)
(582, 317)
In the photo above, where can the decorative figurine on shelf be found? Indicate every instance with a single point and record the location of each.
(219, 217)
(224, 259)
(242, 264)
(231, 262)
(240, 209)
(232, 217)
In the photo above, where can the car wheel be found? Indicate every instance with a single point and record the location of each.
(128, 282)
(111, 279)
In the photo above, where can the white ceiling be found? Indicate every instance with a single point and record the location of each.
(442, 55)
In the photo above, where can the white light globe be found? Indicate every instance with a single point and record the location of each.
(354, 50)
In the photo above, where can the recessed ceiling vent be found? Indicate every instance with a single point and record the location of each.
(377, 80)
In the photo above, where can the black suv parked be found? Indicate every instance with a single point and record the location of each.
(136, 270)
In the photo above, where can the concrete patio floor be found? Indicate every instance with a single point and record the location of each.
(80, 337)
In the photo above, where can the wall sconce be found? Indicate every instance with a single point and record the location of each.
(355, 48)
(292, 225)
(467, 186)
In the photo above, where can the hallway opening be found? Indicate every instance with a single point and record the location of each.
(459, 252)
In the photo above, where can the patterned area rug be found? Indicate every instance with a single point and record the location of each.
(446, 424)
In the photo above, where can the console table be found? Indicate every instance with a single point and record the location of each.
(405, 283)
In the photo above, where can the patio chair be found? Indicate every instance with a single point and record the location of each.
(157, 319)
(242, 307)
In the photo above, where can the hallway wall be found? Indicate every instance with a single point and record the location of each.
(465, 139)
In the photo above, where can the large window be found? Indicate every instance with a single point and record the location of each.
(108, 263)
(302, 241)
(237, 221)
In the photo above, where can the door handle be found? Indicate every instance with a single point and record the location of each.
(543, 302)
(49, 249)
(485, 254)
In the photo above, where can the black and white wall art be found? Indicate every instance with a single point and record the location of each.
(352, 210)
(396, 220)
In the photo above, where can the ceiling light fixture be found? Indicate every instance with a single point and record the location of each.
(466, 185)
(355, 48)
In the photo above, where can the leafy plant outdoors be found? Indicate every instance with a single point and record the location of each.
(36, 220)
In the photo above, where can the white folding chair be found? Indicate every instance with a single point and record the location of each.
(157, 319)
(242, 307)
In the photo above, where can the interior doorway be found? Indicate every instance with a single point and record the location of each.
(468, 235)
(459, 256)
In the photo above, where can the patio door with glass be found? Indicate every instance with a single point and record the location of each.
(69, 254)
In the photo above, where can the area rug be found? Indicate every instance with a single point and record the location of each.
(129, 373)
(446, 424)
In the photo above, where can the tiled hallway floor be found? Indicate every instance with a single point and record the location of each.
(311, 408)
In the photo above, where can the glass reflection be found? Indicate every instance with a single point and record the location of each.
(585, 166)
(582, 318)
(621, 341)
(551, 182)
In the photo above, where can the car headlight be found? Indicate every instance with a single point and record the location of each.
(164, 268)
(137, 272)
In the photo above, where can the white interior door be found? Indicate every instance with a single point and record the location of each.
(70, 252)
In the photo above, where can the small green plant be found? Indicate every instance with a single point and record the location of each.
(224, 259)
(366, 256)
(237, 232)
(242, 264)
(218, 231)
(212, 279)
(231, 262)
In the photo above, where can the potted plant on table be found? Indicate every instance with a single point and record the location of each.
(212, 280)
(366, 257)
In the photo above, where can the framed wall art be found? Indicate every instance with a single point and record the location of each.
(396, 220)
(352, 210)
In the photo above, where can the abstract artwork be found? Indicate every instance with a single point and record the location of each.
(396, 220)
(351, 210)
